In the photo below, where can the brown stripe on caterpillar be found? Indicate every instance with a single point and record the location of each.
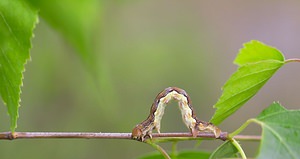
(203, 126)
(189, 117)
(145, 128)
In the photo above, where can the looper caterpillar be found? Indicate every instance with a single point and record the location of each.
(144, 129)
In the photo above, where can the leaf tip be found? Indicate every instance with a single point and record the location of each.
(255, 51)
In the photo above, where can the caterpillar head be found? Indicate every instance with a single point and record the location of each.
(137, 133)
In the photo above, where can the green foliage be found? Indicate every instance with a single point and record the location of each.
(76, 20)
(257, 63)
(17, 21)
(226, 150)
(180, 155)
(280, 132)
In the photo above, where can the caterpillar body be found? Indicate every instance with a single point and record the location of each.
(144, 129)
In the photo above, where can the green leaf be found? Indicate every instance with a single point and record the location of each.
(76, 20)
(255, 51)
(271, 110)
(79, 22)
(226, 150)
(258, 62)
(17, 21)
(180, 155)
(280, 132)
(193, 155)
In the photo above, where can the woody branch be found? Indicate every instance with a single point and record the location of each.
(93, 135)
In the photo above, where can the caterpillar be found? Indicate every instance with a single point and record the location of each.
(144, 129)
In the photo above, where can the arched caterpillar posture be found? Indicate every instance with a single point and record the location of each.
(189, 117)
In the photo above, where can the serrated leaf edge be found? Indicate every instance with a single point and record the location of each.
(246, 45)
(12, 128)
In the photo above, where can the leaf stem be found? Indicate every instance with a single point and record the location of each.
(239, 148)
(159, 148)
(174, 148)
(240, 129)
(292, 60)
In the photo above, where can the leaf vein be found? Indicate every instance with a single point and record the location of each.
(240, 92)
(9, 29)
(250, 74)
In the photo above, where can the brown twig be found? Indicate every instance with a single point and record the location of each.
(248, 137)
(93, 135)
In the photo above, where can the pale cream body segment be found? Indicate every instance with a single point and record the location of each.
(186, 112)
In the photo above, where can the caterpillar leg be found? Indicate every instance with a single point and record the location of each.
(217, 132)
(157, 127)
(208, 127)
(149, 135)
(194, 132)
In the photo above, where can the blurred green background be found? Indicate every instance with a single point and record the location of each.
(142, 48)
